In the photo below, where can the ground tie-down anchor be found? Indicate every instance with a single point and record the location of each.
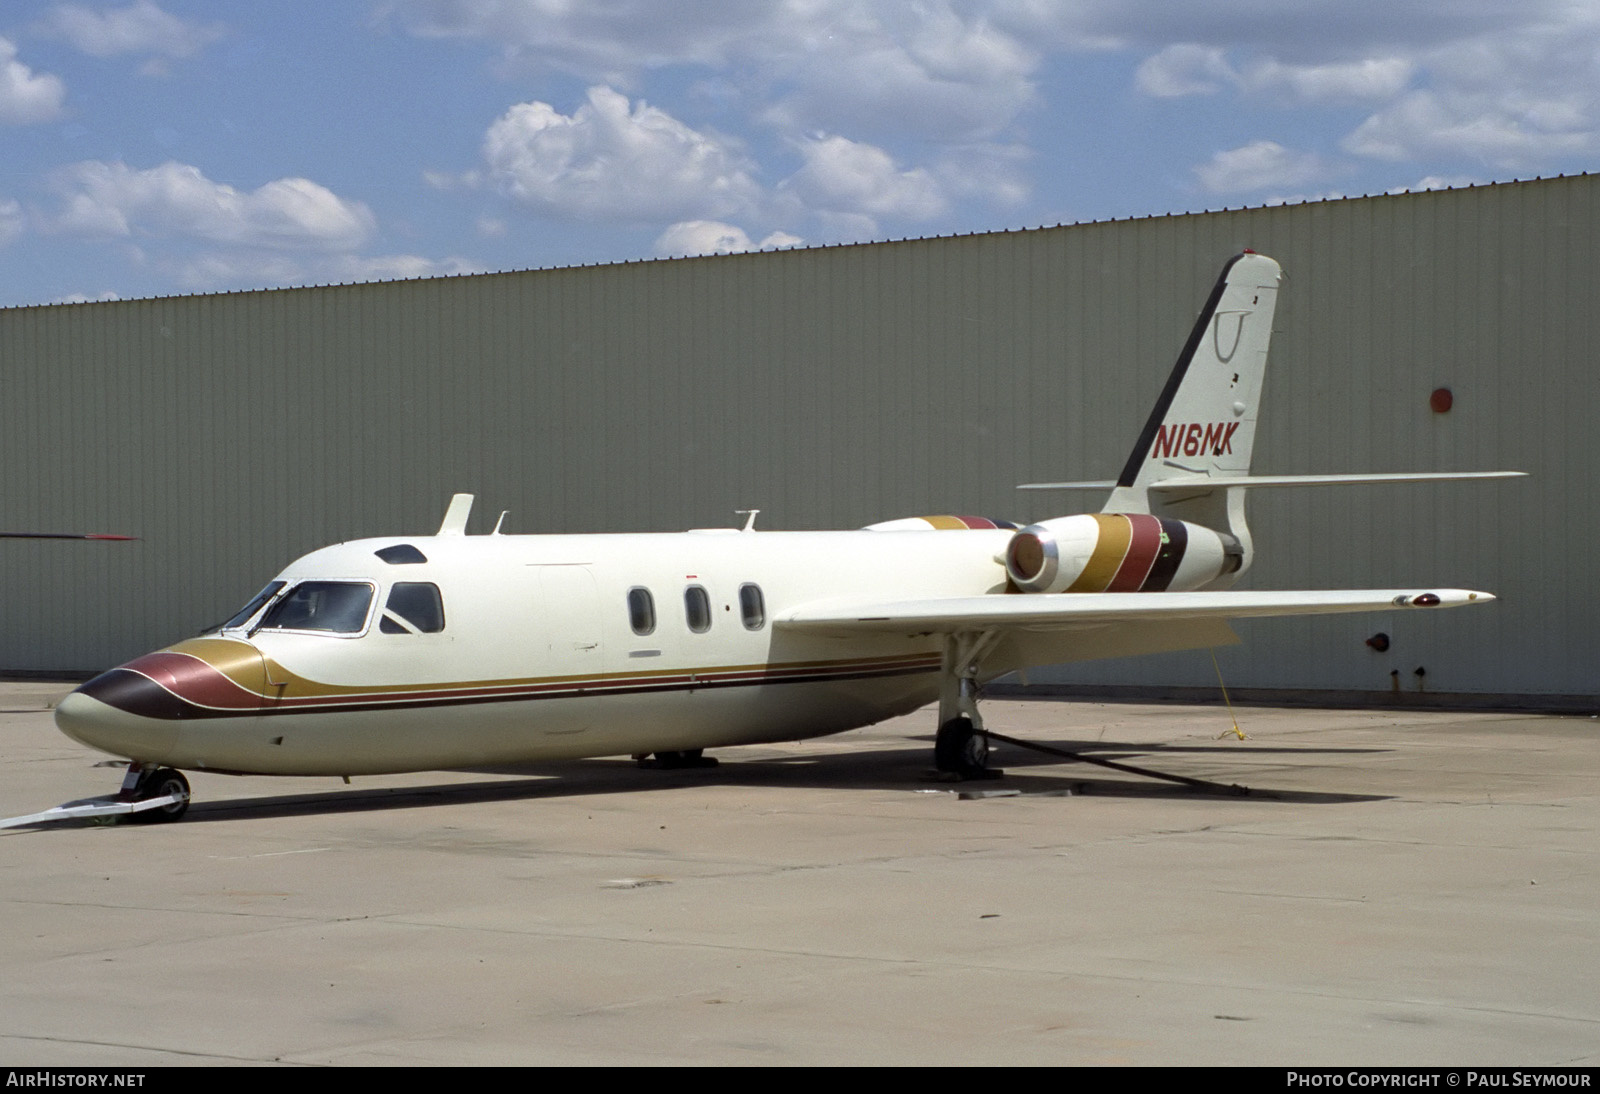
(1232, 789)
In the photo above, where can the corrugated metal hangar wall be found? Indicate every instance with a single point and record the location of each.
(833, 387)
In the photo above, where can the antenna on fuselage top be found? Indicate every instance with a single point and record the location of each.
(750, 521)
(455, 517)
(499, 522)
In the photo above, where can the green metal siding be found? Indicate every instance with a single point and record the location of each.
(832, 387)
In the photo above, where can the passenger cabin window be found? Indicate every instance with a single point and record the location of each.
(697, 609)
(414, 607)
(752, 607)
(641, 611)
(337, 607)
(247, 613)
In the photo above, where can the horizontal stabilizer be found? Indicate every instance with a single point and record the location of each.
(1091, 484)
(1066, 611)
(1189, 482)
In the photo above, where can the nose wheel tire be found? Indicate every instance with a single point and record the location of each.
(960, 749)
(669, 761)
(161, 783)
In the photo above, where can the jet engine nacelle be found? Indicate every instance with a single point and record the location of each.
(1119, 553)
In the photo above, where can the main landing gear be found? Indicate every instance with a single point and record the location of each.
(961, 750)
(671, 761)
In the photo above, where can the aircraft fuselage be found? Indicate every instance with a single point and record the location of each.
(540, 655)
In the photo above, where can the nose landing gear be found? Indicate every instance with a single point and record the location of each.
(148, 795)
(145, 784)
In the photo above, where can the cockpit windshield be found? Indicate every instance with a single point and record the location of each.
(338, 607)
(257, 602)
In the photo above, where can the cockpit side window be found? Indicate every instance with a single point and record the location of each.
(414, 607)
(257, 602)
(337, 607)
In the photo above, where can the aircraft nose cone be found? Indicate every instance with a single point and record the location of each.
(91, 720)
(137, 710)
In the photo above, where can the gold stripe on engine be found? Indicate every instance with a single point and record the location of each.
(1116, 533)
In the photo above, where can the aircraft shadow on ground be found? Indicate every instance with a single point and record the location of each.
(1026, 773)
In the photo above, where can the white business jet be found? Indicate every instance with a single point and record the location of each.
(446, 651)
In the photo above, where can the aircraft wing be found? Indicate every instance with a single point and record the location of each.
(1070, 611)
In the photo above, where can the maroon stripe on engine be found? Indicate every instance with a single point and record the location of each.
(977, 522)
(1142, 550)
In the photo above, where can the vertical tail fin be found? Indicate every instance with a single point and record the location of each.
(1204, 423)
(1191, 464)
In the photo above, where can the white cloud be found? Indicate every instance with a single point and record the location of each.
(1520, 98)
(1369, 78)
(774, 240)
(141, 27)
(1187, 68)
(12, 221)
(391, 267)
(842, 175)
(85, 298)
(612, 41)
(846, 227)
(216, 270)
(1301, 199)
(1437, 182)
(1256, 166)
(701, 237)
(1282, 28)
(26, 98)
(936, 69)
(444, 180)
(175, 199)
(607, 162)
(1516, 87)
(1508, 131)
(897, 70)
(712, 237)
(991, 172)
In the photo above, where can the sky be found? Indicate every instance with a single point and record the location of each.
(163, 147)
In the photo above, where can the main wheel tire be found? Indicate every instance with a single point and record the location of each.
(960, 749)
(158, 784)
(689, 757)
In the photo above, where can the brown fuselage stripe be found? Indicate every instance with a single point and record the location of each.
(137, 693)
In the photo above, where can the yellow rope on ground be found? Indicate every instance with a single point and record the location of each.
(1237, 732)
